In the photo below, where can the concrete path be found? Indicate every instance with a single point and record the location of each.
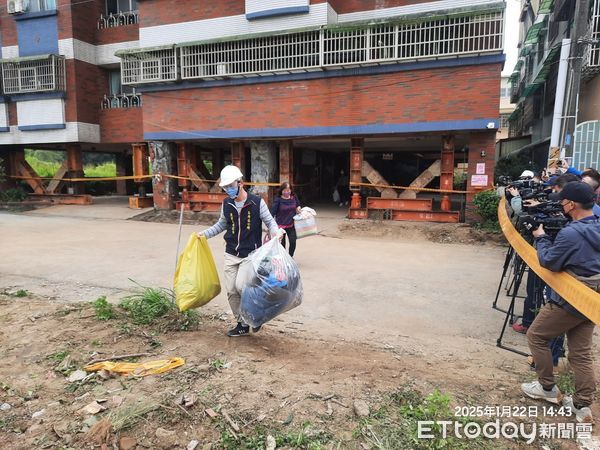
(418, 296)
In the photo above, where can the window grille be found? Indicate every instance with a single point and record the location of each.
(33, 74)
(591, 55)
(267, 54)
(148, 66)
(318, 49)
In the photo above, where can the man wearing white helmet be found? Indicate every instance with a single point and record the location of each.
(242, 215)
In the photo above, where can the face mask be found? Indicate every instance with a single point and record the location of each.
(286, 193)
(232, 192)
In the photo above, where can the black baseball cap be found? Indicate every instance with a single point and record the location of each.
(578, 192)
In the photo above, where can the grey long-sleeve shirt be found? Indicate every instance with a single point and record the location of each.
(265, 216)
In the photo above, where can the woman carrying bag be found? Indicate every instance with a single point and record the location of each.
(284, 208)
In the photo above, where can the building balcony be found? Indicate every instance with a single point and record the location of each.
(116, 101)
(33, 74)
(318, 49)
(118, 20)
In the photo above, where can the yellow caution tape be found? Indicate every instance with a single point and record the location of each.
(137, 369)
(584, 299)
(410, 188)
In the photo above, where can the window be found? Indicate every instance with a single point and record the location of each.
(118, 6)
(504, 92)
(504, 120)
(114, 82)
(41, 5)
(33, 74)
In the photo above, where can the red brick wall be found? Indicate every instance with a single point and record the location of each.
(118, 34)
(79, 20)
(121, 125)
(12, 113)
(348, 6)
(86, 85)
(462, 93)
(8, 29)
(160, 12)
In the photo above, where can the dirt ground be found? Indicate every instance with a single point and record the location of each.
(387, 309)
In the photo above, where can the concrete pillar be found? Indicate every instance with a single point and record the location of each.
(264, 165)
(286, 162)
(163, 159)
(238, 155)
(75, 168)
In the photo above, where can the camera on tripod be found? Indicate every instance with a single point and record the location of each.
(543, 211)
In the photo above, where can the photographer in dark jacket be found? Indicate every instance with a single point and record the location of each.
(576, 249)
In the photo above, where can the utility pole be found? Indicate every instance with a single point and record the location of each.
(580, 25)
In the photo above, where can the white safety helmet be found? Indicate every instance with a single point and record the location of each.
(229, 174)
(527, 174)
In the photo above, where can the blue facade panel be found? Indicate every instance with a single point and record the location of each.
(37, 34)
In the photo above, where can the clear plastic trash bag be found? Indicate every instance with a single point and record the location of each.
(273, 287)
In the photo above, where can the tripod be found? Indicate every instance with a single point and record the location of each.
(511, 262)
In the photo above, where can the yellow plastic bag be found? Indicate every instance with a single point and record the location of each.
(196, 280)
(137, 369)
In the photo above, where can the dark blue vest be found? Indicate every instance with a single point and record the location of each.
(244, 230)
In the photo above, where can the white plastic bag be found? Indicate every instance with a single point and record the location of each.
(305, 223)
(275, 286)
(336, 196)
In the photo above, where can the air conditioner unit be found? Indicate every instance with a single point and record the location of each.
(16, 6)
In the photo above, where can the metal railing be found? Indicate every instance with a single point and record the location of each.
(119, 19)
(133, 100)
(26, 75)
(319, 49)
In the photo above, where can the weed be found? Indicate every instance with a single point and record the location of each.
(96, 343)
(305, 438)
(395, 423)
(104, 310)
(148, 304)
(21, 293)
(566, 383)
(58, 357)
(13, 195)
(216, 364)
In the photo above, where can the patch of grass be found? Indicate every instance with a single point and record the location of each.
(566, 383)
(395, 423)
(21, 293)
(58, 357)
(103, 309)
(102, 170)
(216, 364)
(307, 437)
(148, 304)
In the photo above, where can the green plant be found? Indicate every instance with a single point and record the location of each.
(148, 304)
(21, 293)
(2, 170)
(13, 195)
(459, 182)
(104, 310)
(216, 364)
(486, 203)
(513, 165)
(58, 357)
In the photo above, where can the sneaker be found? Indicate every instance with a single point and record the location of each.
(583, 414)
(519, 328)
(239, 330)
(535, 390)
(256, 329)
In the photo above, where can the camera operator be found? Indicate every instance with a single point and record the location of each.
(575, 249)
(592, 177)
